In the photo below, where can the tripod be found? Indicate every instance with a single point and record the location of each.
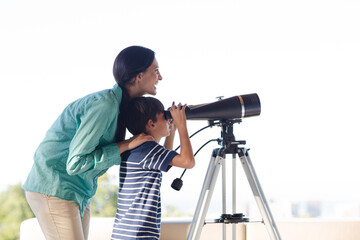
(230, 146)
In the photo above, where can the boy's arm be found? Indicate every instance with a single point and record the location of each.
(169, 140)
(186, 157)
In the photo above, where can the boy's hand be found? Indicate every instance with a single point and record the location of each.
(178, 115)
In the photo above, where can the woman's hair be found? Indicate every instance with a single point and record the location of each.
(140, 111)
(128, 64)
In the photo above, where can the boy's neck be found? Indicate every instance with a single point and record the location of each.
(155, 136)
(157, 139)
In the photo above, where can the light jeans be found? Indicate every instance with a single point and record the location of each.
(59, 219)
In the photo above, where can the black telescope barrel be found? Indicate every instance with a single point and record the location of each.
(236, 107)
(251, 105)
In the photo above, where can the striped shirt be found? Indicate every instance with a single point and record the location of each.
(138, 214)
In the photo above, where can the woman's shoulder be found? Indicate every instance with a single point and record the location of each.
(103, 97)
(104, 100)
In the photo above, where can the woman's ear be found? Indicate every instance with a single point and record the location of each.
(137, 79)
(139, 76)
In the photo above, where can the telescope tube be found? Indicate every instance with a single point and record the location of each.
(237, 107)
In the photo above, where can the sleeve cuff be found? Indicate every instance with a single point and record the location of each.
(166, 167)
(112, 154)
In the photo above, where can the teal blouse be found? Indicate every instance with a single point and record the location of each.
(78, 148)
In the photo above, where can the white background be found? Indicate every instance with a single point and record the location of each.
(301, 57)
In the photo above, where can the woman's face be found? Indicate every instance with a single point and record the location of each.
(150, 79)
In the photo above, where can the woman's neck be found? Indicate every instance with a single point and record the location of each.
(134, 92)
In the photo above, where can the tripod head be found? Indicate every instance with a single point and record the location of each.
(227, 140)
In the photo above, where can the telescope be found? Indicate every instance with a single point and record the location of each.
(237, 107)
(225, 113)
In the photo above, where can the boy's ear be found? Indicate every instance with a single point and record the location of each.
(150, 124)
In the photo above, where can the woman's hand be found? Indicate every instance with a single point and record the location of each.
(134, 142)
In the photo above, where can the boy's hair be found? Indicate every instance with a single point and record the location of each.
(140, 110)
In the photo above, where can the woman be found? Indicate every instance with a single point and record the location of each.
(86, 139)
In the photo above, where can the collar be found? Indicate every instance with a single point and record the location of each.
(118, 92)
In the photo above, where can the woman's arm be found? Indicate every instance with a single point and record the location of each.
(85, 153)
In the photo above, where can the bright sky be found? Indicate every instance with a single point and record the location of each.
(301, 57)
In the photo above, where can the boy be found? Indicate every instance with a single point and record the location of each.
(138, 213)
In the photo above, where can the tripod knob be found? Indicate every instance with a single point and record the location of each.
(177, 184)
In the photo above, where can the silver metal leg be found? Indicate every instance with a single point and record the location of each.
(223, 196)
(233, 194)
(218, 160)
(259, 194)
(205, 196)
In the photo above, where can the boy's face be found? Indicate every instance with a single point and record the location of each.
(162, 126)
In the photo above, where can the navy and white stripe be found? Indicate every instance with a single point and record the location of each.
(138, 214)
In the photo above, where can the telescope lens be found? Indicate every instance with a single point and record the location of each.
(251, 105)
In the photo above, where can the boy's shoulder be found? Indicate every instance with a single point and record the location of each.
(149, 155)
(148, 146)
(143, 149)
(148, 149)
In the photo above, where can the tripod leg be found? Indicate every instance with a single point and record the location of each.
(205, 196)
(233, 227)
(259, 195)
(223, 196)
